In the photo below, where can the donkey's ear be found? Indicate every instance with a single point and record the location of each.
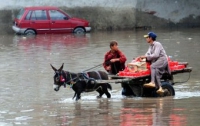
(53, 68)
(61, 67)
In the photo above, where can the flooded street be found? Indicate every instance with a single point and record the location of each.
(27, 97)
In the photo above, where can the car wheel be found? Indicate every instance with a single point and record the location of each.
(29, 32)
(79, 31)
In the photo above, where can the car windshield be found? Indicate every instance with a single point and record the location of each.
(66, 13)
(21, 12)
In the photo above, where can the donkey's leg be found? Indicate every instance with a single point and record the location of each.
(105, 90)
(104, 76)
(100, 91)
(78, 95)
(78, 88)
(74, 95)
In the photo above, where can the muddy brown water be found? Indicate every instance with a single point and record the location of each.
(27, 96)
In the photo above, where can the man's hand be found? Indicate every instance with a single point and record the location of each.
(142, 57)
(114, 60)
(108, 68)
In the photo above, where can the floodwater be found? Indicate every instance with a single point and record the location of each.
(27, 97)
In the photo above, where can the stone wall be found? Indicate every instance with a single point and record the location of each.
(115, 14)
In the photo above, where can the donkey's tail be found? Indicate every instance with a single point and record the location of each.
(109, 86)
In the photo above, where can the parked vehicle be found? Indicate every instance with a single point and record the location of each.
(46, 19)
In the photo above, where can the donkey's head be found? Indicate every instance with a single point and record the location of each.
(59, 77)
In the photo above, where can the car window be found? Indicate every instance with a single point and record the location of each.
(39, 15)
(28, 15)
(21, 12)
(57, 15)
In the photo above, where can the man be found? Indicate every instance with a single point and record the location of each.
(159, 62)
(114, 60)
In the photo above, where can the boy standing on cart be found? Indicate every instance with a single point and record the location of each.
(114, 60)
(159, 62)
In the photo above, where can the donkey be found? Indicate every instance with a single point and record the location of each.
(81, 82)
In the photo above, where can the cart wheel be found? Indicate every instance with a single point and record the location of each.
(126, 91)
(131, 90)
(168, 89)
(137, 90)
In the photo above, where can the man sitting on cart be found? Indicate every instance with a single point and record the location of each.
(156, 55)
(114, 60)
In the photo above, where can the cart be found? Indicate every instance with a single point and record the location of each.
(132, 82)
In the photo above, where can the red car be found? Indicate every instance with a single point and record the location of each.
(45, 19)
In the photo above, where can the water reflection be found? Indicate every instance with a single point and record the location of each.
(86, 112)
(124, 112)
(152, 112)
(49, 40)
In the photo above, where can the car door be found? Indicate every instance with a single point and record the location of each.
(39, 21)
(59, 22)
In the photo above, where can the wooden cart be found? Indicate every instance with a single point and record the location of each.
(132, 86)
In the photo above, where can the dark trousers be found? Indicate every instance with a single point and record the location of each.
(116, 67)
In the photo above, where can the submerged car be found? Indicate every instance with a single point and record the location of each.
(46, 19)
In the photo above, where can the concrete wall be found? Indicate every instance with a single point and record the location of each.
(172, 13)
(116, 14)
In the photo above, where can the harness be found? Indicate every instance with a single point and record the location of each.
(72, 82)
